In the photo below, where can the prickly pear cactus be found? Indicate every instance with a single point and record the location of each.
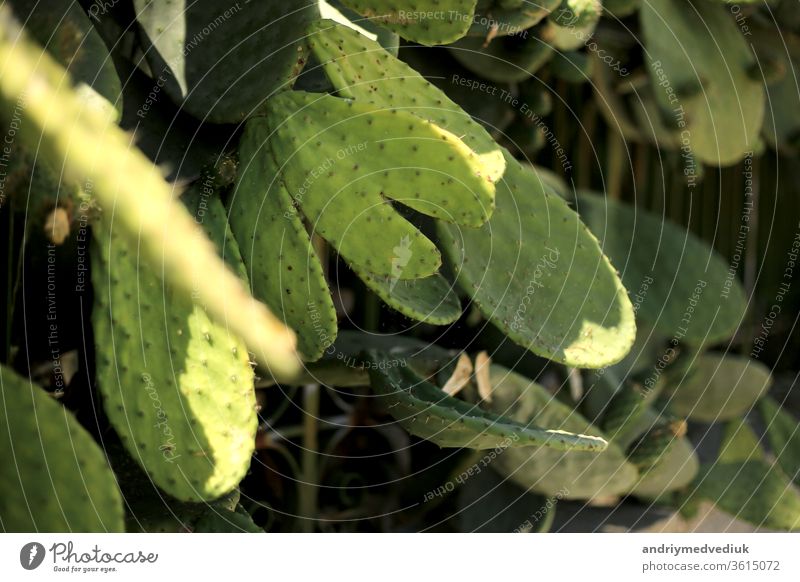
(335, 10)
(543, 305)
(283, 267)
(54, 477)
(708, 88)
(652, 446)
(573, 475)
(368, 155)
(681, 285)
(65, 32)
(177, 387)
(312, 143)
(428, 22)
(783, 437)
(188, 48)
(509, 59)
(624, 410)
(719, 387)
(430, 300)
(350, 62)
(125, 182)
(426, 411)
(675, 469)
(533, 286)
(743, 483)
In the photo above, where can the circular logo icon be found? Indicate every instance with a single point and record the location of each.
(31, 555)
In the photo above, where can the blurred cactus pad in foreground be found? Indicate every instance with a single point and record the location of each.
(338, 265)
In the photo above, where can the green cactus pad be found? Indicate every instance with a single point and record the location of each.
(190, 46)
(285, 272)
(53, 476)
(441, 70)
(746, 486)
(427, 412)
(428, 22)
(719, 387)
(676, 469)
(752, 491)
(177, 387)
(783, 436)
(362, 70)
(526, 271)
(571, 475)
(708, 76)
(651, 447)
(203, 203)
(509, 59)
(430, 300)
(624, 410)
(674, 264)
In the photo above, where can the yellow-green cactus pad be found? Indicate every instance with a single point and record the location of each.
(342, 160)
(581, 322)
(361, 69)
(177, 387)
(577, 13)
(284, 270)
(53, 476)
